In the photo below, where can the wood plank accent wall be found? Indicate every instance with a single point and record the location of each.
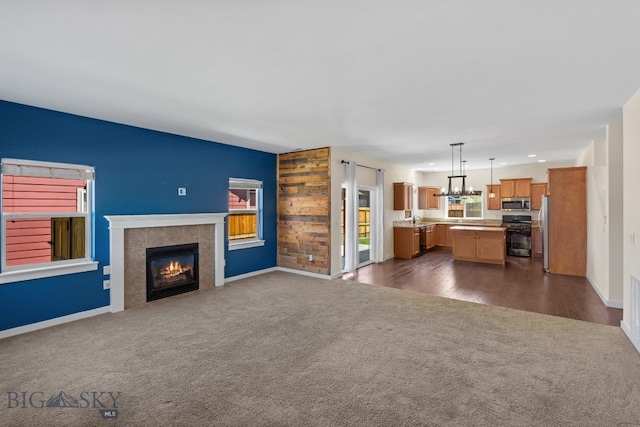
(304, 196)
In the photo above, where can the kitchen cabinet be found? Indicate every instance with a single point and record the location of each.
(448, 241)
(479, 244)
(431, 236)
(538, 189)
(406, 242)
(464, 245)
(517, 187)
(444, 237)
(507, 188)
(568, 221)
(409, 242)
(536, 242)
(440, 234)
(427, 198)
(523, 187)
(494, 204)
(402, 196)
(491, 247)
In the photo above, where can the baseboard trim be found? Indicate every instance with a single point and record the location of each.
(308, 273)
(615, 304)
(284, 269)
(634, 339)
(54, 322)
(609, 303)
(250, 274)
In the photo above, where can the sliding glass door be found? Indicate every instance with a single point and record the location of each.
(364, 226)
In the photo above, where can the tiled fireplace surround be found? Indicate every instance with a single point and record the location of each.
(131, 235)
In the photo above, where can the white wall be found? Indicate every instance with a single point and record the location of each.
(480, 178)
(631, 208)
(616, 232)
(393, 173)
(603, 159)
(594, 158)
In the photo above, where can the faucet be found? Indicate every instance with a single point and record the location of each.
(415, 218)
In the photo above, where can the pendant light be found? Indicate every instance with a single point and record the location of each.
(492, 194)
(457, 191)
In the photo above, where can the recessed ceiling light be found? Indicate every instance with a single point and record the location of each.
(531, 155)
(432, 164)
(541, 161)
(503, 163)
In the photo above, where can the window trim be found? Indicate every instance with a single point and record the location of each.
(245, 243)
(247, 184)
(16, 273)
(61, 269)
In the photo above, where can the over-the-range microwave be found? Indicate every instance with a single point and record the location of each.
(510, 204)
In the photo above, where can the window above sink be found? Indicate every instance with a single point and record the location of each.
(468, 207)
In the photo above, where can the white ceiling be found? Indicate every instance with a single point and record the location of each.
(397, 80)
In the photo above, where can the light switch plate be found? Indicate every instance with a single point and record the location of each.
(106, 284)
(182, 191)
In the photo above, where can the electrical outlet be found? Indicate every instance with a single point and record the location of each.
(106, 270)
(182, 191)
(310, 257)
(106, 284)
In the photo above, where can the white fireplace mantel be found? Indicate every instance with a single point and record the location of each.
(119, 223)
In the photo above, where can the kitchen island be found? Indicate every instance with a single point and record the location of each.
(479, 244)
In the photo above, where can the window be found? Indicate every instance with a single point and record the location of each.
(46, 219)
(245, 213)
(464, 207)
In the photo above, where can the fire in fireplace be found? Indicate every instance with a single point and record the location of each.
(171, 270)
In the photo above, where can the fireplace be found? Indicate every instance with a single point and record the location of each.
(171, 270)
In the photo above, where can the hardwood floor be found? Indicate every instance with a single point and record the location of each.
(521, 284)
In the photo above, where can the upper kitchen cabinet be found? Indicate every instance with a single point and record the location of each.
(538, 189)
(519, 187)
(493, 204)
(402, 196)
(427, 198)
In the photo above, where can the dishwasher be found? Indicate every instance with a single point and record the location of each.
(423, 238)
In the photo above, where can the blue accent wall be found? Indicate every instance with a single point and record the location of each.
(138, 171)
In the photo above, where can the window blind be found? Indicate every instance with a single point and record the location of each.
(242, 183)
(44, 170)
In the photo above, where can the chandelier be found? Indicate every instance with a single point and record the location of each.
(455, 190)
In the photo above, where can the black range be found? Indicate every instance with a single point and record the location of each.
(518, 234)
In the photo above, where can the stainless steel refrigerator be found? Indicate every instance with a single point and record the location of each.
(543, 223)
